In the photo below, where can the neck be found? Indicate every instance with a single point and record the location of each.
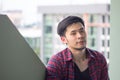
(79, 55)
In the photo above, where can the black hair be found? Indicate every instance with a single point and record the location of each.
(66, 22)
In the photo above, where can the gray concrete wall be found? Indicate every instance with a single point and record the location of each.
(17, 60)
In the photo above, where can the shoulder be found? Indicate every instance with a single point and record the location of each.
(96, 55)
(58, 58)
(94, 52)
(97, 58)
(56, 62)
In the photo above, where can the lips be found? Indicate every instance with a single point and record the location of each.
(81, 42)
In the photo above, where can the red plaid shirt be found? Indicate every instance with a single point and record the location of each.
(61, 66)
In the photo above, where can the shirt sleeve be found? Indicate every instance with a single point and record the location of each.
(104, 71)
(54, 70)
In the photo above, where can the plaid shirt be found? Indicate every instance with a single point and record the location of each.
(61, 66)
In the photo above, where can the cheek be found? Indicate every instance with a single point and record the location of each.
(71, 39)
(85, 34)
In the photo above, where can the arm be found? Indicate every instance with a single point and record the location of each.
(54, 70)
(104, 72)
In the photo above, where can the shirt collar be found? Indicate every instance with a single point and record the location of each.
(89, 53)
(69, 57)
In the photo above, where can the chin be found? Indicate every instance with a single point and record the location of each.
(80, 48)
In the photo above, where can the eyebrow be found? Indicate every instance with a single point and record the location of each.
(78, 29)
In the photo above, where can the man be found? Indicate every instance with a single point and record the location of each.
(76, 62)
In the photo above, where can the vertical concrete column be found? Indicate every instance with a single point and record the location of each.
(115, 41)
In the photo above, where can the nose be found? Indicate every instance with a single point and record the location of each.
(79, 35)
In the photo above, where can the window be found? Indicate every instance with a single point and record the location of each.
(103, 18)
(93, 42)
(108, 54)
(103, 31)
(103, 43)
(91, 30)
(108, 31)
(108, 43)
(91, 18)
(48, 29)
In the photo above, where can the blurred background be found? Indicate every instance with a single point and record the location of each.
(37, 21)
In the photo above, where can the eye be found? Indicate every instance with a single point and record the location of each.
(81, 31)
(73, 33)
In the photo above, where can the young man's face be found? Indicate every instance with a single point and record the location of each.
(75, 36)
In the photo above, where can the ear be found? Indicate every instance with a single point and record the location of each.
(63, 39)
